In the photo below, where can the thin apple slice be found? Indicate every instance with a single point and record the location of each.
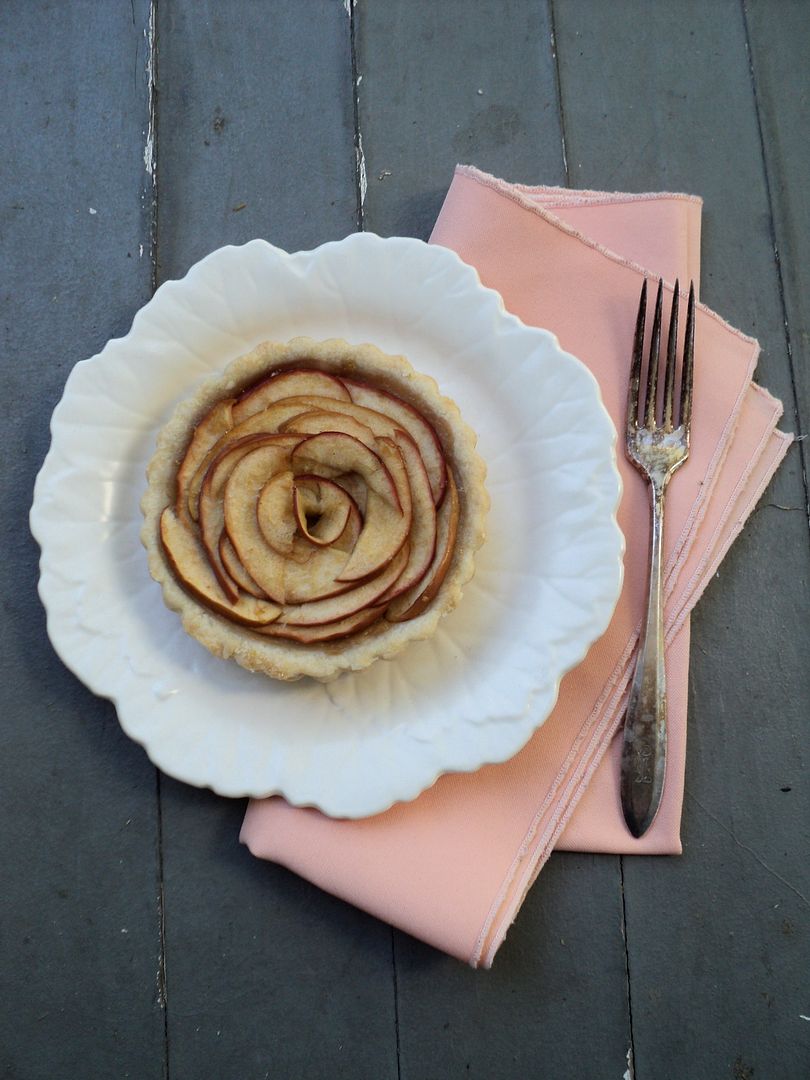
(374, 421)
(333, 452)
(275, 512)
(407, 417)
(314, 423)
(354, 486)
(340, 607)
(187, 558)
(313, 573)
(384, 531)
(207, 433)
(298, 406)
(333, 631)
(417, 599)
(285, 384)
(348, 538)
(322, 509)
(210, 509)
(237, 572)
(423, 518)
(385, 527)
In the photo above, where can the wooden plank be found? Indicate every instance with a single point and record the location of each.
(256, 118)
(78, 907)
(779, 43)
(718, 943)
(449, 83)
(267, 976)
(420, 112)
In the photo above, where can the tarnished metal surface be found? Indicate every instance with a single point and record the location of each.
(657, 446)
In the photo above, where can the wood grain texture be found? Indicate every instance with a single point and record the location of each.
(420, 112)
(256, 127)
(449, 83)
(79, 936)
(267, 976)
(779, 44)
(717, 940)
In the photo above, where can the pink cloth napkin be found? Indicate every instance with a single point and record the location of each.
(453, 866)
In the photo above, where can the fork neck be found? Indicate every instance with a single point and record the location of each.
(658, 483)
(659, 480)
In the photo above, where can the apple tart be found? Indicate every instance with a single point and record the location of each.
(314, 508)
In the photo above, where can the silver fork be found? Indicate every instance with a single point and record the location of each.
(657, 446)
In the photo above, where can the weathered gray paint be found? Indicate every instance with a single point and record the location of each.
(779, 40)
(79, 938)
(717, 940)
(266, 976)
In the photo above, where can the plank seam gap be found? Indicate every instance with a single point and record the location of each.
(359, 157)
(777, 258)
(631, 1054)
(558, 90)
(396, 997)
(150, 157)
(162, 986)
(150, 148)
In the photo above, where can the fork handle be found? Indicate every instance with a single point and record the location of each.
(644, 752)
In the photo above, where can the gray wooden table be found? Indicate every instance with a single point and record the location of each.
(137, 938)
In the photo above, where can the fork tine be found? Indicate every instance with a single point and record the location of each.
(688, 362)
(672, 352)
(655, 353)
(635, 367)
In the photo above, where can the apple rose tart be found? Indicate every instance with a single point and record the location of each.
(314, 508)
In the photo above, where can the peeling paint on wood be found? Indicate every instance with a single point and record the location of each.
(362, 179)
(149, 156)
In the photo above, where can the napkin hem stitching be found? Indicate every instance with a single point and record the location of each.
(543, 845)
(584, 195)
(569, 764)
(513, 192)
(685, 541)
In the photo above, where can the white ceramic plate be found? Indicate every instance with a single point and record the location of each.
(547, 579)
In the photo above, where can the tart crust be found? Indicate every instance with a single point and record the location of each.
(278, 657)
